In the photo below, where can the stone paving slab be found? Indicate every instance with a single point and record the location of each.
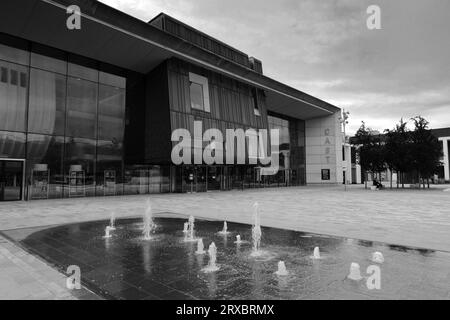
(25, 277)
(418, 218)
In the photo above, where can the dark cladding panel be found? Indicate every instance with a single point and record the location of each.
(200, 39)
(157, 116)
(229, 100)
(135, 119)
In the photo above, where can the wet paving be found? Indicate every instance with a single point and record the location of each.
(126, 266)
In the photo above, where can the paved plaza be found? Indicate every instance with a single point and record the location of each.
(416, 218)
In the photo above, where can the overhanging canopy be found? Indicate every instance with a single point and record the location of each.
(114, 37)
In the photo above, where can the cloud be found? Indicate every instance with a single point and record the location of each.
(325, 49)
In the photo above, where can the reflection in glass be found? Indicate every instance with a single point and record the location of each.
(47, 102)
(48, 63)
(111, 113)
(14, 55)
(82, 72)
(12, 145)
(196, 91)
(44, 156)
(79, 159)
(109, 168)
(112, 80)
(81, 108)
(13, 97)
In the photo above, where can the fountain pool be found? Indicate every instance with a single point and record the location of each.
(123, 268)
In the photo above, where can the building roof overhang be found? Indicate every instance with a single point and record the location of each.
(111, 36)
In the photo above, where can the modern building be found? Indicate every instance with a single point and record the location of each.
(90, 111)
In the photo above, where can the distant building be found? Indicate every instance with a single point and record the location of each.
(443, 175)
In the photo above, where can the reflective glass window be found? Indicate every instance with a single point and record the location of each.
(47, 102)
(44, 163)
(82, 72)
(112, 80)
(12, 145)
(13, 97)
(13, 54)
(79, 164)
(109, 168)
(81, 108)
(111, 113)
(48, 63)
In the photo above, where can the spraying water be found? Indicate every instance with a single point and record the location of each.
(377, 257)
(225, 229)
(316, 254)
(355, 272)
(112, 221)
(191, 227)
(107, 232)
(212, 252)
(149, 225)
(185, 227)
(238, 239)
(256, 229)
(200, 247)
(189, 236)
(281, 269)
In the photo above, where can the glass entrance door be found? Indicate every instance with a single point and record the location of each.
(11, 180)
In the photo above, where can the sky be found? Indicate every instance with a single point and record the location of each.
(325, 49)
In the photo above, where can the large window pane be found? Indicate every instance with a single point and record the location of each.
(81, 108)
(44, 166)
(111, 113)
(48, 63)
(79, 161)
(109, 168)
(196, 91)
(112, 80)
(13, 96)
(47, 102)
(82, 72)
(13, 54)
(12, 145)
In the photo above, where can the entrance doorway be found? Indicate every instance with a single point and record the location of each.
(11, 180)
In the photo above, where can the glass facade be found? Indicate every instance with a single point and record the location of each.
(62, 120)
(291, 150)
(66, 119)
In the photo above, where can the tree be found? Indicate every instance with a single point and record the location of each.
(370, 150)
(398, 151)
(425, 150)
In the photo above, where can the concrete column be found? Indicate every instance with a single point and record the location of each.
(358, 174)
(348, 164)
(323, 149)
(446, 158)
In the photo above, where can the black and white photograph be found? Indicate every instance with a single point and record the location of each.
(224, 158)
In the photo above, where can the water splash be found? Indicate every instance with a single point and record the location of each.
(149, 224)
(190, 234)
(185, 227)
(377, 257)
(281, 269)
(225, 229)
(112, 221)
(238, 239)
(355, 272)
(200, 247)
(212, 252)
(316, 253)
(256, 229)
(107, 232)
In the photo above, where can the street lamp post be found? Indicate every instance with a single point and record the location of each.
(344, 122)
